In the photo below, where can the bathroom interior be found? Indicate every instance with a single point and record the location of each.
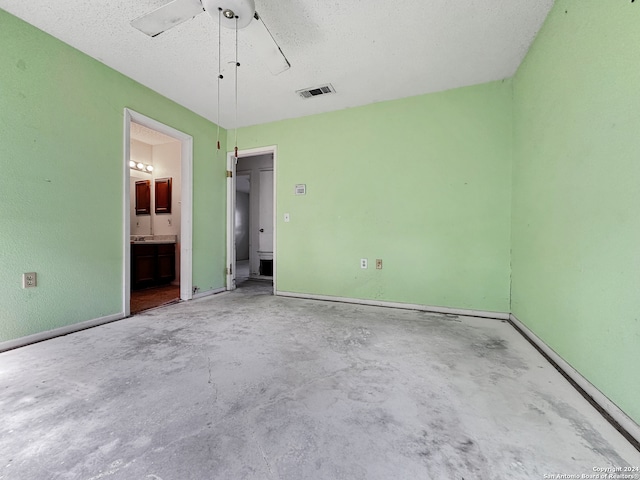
(155, 190)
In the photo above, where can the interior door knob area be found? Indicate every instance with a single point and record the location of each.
(262, 230)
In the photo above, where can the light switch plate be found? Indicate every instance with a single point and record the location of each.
(286, 217)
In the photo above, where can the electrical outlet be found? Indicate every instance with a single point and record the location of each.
(379, 263)
(29, 280)
(363, 263)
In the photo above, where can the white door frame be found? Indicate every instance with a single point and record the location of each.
(186, 208)
(231, 210)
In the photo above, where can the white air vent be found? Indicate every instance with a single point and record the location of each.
(315, 91)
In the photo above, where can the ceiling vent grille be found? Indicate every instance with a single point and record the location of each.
(316, 91)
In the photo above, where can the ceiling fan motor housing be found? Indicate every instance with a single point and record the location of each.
(243, 9)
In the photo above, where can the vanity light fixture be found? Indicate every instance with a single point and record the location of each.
(143, 167)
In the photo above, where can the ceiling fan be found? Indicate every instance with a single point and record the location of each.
(232, 14)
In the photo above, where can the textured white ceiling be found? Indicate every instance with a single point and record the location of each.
(370, 50)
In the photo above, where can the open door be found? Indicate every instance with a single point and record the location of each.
(231, 221)
(265, 223)
(266, 241)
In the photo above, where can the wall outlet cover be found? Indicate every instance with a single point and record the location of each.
(363, 263)
(29, 280)
(379, 263)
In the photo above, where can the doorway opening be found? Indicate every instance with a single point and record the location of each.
(251, 217)
(243, 226)
(157, 216)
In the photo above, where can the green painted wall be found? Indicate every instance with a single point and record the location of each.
(422, 183)
(61, 188)
(576, 184)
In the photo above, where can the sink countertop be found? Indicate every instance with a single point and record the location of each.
(153, 239)
(152, 242)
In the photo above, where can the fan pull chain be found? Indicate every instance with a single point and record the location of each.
(219, 78)
(236, 91)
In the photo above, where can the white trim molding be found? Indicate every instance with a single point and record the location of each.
(405, 306)
(58, 332)
(631, 427)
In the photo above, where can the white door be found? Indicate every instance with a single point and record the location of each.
(265, 215)
(231, 223)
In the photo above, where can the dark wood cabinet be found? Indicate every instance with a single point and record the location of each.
(166, 263)
(163, 195)
(152, 264)
(143, 197)
(143, 266)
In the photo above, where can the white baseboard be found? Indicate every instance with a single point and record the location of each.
(406, 306)
(600, 398)
(76, 327)
(58, 332)
(207, 293)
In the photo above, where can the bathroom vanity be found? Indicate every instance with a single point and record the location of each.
(153, 260)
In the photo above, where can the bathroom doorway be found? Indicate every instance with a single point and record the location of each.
(157, 214)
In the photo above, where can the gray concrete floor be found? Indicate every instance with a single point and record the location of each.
(245, 385)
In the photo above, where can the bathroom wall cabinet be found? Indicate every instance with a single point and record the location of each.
(143, 197)
(163, 195)
(152, 264)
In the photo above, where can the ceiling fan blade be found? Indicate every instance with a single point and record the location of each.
(167, 16)
(267, 48)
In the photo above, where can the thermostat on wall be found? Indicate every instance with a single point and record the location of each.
(301, 189)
